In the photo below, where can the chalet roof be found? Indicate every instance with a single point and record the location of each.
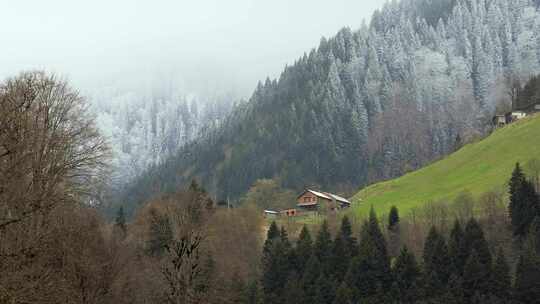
(325, 195)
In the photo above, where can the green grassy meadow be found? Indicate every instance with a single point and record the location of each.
(477, 167)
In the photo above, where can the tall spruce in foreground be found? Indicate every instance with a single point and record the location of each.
(527, 282)
(436, 264)
(325, 290)
(456, 248)
(406, 277)
(393, 218)
(323, 247)
(272, 234)
(347, 235)
(293, 293)
(309, 279)
(524, 202)
(500, 279)
(303, 249)
(369, 274)
(275, 272)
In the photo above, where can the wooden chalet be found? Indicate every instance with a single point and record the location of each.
(311, 200)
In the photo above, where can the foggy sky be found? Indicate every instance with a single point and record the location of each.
(204, 44)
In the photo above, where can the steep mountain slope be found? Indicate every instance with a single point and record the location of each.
(477, 167)
(366, 105)
(146, 127)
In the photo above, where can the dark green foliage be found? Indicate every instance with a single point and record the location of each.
(343, 295)
(406, 274)
(500, 278)
(293, 293)
(475, 241)
(341, 258)
(393, 218)
(309, 279)
(304, 249)
(325, 290)
(524, 202)
(437, 264)
(534, 233)
(347, 235)
(455, 292)
(160, 234)
(369, 273)
(527, 282)
(476, 279)
(275, 272)
(272, 234)
(323, 247)
(457, 249)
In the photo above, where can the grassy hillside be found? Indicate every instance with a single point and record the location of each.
(477, 167)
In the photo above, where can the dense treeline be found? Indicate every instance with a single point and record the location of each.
(458, 266)
(340, 115)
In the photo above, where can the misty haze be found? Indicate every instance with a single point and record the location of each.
(270, 152)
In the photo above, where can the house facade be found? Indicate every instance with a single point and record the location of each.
(311, 200)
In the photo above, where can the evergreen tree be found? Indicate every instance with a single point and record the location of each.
(275, 272)
(304, 249)
(369, 273)
(347, 235)
(293, 293)
(323, 247)
(340, 258)
(343, 295)
(457, 249)
(475, 277)
(406, 277)
(325, 290)
(436, 264)
(272, 234)
(393, 218)
(524, 202)
(500, 279)
(534, 233)
(309, 279)
(527, 282)
(475, 241)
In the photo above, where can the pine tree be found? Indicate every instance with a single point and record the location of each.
(347, 235)
(323, 247)
(293, 293)
(527, 282)
(534, 233)
(475, 241)
(343, 295)
(457, 249)
(475, 277)
(272, 234)
(406, 277)
(524, 202)
(340, 258)
(393, 218)
(325, 290)
(500, 279)
(253, 294)
(309, 279)
(436, 263)
(275, 272)
(304, 249)
(369, 274)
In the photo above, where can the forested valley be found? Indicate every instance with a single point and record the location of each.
(429, 74)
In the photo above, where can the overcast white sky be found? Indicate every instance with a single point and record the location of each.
(207, 43)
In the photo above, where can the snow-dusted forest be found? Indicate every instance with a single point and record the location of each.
(422, 78)
(145, 127)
